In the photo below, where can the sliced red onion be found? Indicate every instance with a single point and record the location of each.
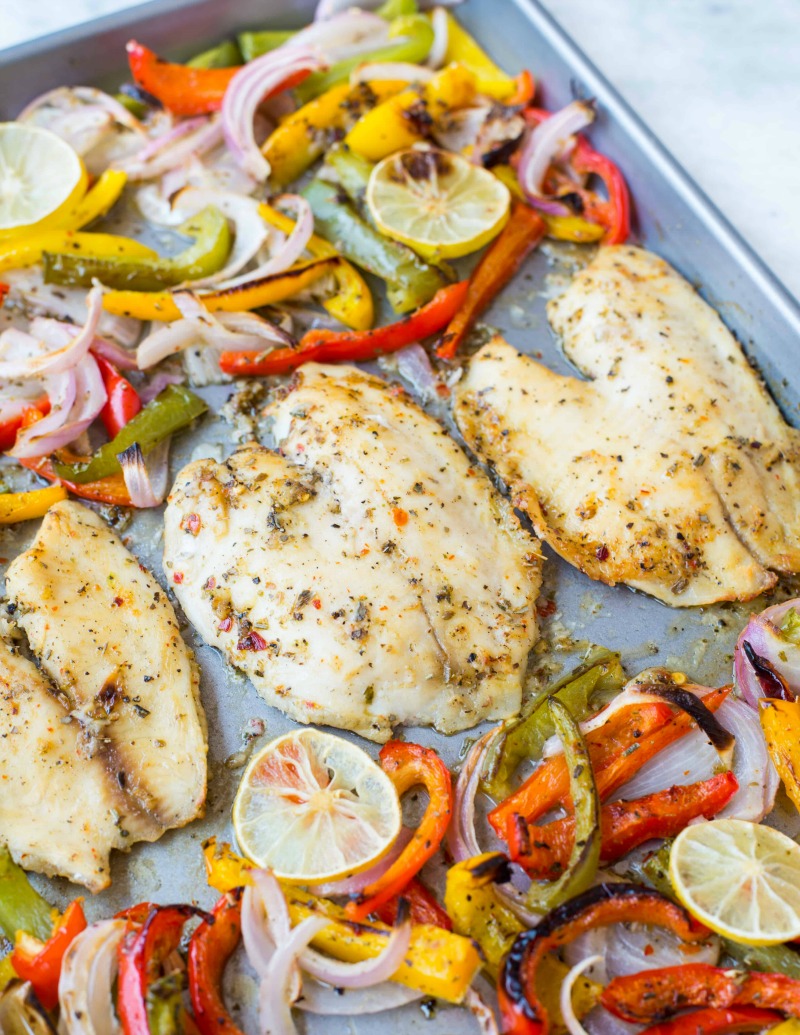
(76, 398)
(368, 972)
(546, 141)
(157, 384)
(441, 33)
(85, 987)
(345, 34)
(462, 841)
(122, 359)
(574, 1026)
(291, 249)
(763, 636)
(487, 1024)
(401, 71)
(354, 1002)
(66, 95)
(248, 88)
(274, 996)
(632, 948)
(354, 885)
(183, 142)
(17, 397)
(591, 945)
(258, 944)
(600, 1022)
(413, 364)
(307, 318)
(68, 348)
(146, 480)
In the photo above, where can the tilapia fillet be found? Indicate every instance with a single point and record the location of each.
(671, 469)
(105, 743)
(364, 577)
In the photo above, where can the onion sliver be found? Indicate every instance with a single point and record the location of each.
(635, 947)
(69, 347)
(86, 982)
(547, 140)
(441, 33)
(291, 249)
(357, 883)
(368, 972)
(773, 666)
(146, 480)
(250, 230)
(274, 996)
(400, 71)
(353, 1002)
(461, 837)
(473, 1001)
(574, 1026)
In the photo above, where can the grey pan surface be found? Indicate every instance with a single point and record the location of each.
(673, 218)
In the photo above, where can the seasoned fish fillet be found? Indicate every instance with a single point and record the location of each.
(670, 470)
(109, 737)
(366, 576)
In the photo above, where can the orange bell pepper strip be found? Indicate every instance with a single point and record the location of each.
(324, 346)
(618, 749)
(654, 995)
(4, 289)
(717, 1022)
(525, 89)
(40, 962)
(544, 850)
(521, 234)
(181, 89)
(210, 948)
(521, 1009)
(409, 765)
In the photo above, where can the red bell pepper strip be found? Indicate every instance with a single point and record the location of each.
(618, 749)
(521, 1011)
(210, 948)
(409, 765)
(40, 962)
(4, 289)
(31, 413)
(424, 906)
(544, 850)
(141, 955)
(324, 346)
(111, 490)
(122, 402)
(717, 1022)
(614, 213)
(654, 995)
(521, 234)
(526, 88)
(181, 89)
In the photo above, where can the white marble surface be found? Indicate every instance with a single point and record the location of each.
(717, 80)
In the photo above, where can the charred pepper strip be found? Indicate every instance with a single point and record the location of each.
(323, 346)
(520, 1008)
(409, 765)
(212, 945)
(543, 850)
(717, 1022)
(422, 902)
(142, 952)
(173, 409)
(601, 671)
(654, 995)
(183, 90)
(581, 866)
(521, 234)
(40, 962)
(614, 213)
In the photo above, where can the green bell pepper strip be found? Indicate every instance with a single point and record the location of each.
(207, 255)
(22, 908)
(224, 55)
(254, 44)
(164, 1002)
(600, 672)
(415, 38)
(397, 9)
(584, 859)
(410, 282)
(173, 409)
(351, 172)
(136, 107)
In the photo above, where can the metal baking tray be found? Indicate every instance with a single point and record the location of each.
(672, 217)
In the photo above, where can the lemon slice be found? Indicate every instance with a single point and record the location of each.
(315, 808)
(740, 879)
(436, 202)
(40, 177)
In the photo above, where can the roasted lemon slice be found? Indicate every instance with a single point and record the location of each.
(438, 203)
(314, 808)
(41, 177)
(740, 879)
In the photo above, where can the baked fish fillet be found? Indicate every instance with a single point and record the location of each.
(364, 577)
(671, 469)
(107, 738)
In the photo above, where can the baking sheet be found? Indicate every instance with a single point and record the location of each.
(672, 217)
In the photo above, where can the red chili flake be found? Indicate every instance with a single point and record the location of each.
(400, 516)
(178, 577)
(191, 523)
(252, 642)
(545, 609)
(225, 624)
(649, 950)
(317, 603)
(601, 553)
(442, 391)
(210, 582)
(118, 601)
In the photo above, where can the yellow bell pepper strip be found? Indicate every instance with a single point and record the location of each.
(28, 250)
(780, 721)
(206, 255)
(97, 201)
(160, 305)
(303, 136)
(352, 304)
(172, 410)
(438, 963)
(410, 282)
(406, 118)
(414, 36)
(462, 48)
(24, 506)
(560, 228)
(254, 44)
(521, 234)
